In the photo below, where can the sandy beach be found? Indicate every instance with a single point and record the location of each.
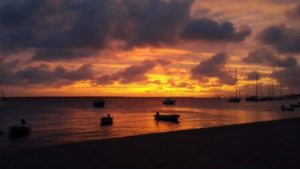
(274, 144)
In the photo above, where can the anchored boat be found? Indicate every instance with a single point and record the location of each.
(106, 121)
(170, 118)
(169, 101)
(99, 103)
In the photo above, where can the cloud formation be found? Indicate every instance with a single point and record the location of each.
(66, 29)
(263, 56)
(43, 75)
(131, 74)
(281, 38)
(284, 38)
(208, 29)
(288, 77)
(213, 67)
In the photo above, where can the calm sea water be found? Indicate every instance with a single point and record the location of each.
(58, 121)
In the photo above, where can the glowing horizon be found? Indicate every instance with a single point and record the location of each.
(187, 48)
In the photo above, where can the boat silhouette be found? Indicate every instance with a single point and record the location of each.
(99, 103)
(170, 118)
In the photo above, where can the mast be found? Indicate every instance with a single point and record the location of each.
(272, 85)
(280, 90)
(272, 88)
(236, 85)
(269, 88)
(256, 89)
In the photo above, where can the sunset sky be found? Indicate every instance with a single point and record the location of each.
(148, 47)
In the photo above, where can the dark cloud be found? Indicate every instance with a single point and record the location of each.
(264, 56)
(288, 77)
(213, 67)
(55, 29)
(44, 75)
(135, 73)
(154, 22)
(284, 39)
(208, 29)
(281, 38)
(6, 74)
(46, 54)
(70, 29)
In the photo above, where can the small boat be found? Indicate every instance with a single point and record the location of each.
(106, 121)
(170, 118)
(283, 108)
(17, 131)
(169, 101)
(99, 103)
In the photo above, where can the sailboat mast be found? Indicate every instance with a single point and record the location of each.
(256, 86)
(280, 91)
(272, 84)
(272, 88)
(236, 84)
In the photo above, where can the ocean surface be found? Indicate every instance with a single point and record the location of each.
(64, 120)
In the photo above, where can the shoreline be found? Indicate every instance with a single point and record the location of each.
(267, 144)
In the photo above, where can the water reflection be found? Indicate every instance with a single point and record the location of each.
(68, 120)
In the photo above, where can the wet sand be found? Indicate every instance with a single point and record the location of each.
(263, 145)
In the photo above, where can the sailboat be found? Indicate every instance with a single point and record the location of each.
(235, 99)
(254, 98)
(270, 97)
(2, 100)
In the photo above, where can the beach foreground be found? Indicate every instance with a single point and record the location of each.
(274, 144)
